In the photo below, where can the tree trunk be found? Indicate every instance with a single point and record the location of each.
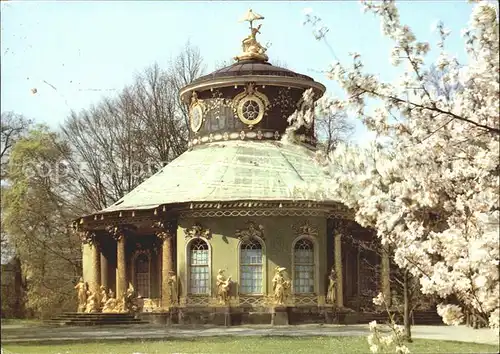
(407, 322)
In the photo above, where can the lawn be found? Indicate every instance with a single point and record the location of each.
(21, 322)
(229, 344)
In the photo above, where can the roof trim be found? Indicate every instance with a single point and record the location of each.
(257, 79)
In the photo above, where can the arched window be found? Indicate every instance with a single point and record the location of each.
(251, 267)
(199, 279)
(303, 282)
(142, 275)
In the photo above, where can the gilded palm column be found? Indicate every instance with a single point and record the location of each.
(104, 270)
(95, 281)
(338, 267)
(167, 266)
(118, 234)
(385, 275)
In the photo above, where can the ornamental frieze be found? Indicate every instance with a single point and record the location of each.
(252, 230)
(119, 231)
(284, 101)
(305, 228)
(197, 231)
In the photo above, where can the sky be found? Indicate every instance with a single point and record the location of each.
(76, 52)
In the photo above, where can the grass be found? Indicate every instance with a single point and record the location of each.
(21, 322)
(229, 344)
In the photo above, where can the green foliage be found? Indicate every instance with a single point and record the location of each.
(37, 210)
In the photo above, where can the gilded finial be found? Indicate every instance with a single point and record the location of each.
(251, 16)
(252, 50)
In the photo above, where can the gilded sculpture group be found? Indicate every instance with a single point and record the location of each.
(252, 49)
(282, 285)
(105, 301)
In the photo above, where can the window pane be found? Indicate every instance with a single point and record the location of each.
(251, 267)
(251, 279)
(198, 274)
(199, 280)
(142, 275)
(304, 267)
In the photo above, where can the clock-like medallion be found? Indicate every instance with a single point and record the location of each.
(196, 117)
(195, 113)
(250, 105)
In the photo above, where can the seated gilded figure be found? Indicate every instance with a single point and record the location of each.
(252, 49)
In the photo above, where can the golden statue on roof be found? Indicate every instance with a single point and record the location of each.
(252, 50)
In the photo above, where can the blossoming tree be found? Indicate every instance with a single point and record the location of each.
(430, 186)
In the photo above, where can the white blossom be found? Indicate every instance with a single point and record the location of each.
(429, 185)
(402, 349)
(451, 314)
(379, 300)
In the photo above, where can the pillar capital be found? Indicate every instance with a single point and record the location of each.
(164, 229)
(118, 232)
(87, 237)
(164, 235)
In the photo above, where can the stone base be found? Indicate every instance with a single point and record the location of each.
(94, 319)
(161, 318)
(222, 316)
(282, 315)
(342, 315)
(279, 316)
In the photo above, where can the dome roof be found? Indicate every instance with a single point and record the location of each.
(228, 171)
(251, 67)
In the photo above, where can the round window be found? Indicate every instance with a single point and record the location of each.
(250, 110)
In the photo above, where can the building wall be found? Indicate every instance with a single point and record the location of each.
(279, 234)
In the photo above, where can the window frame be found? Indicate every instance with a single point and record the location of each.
(136, 255)
(315, 264)
(189, 267)
(263, 265)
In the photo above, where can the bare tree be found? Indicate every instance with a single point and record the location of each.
(12, 127)
(154, 102)
(433, 82)
(183, 69)
(123, 140)
(331, 129)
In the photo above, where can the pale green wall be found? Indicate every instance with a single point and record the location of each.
(279, 236)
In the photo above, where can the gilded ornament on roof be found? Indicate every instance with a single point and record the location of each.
(250, 105)
(252, 49)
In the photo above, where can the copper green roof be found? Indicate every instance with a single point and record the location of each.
(228, 171)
